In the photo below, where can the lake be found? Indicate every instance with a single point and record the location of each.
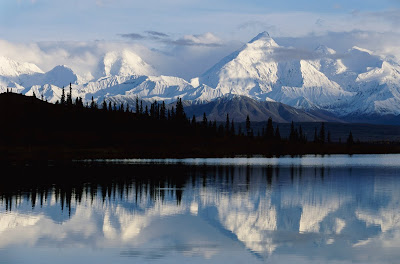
(310, 209)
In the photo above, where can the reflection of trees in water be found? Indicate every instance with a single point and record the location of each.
(263, 206)
(68, 183)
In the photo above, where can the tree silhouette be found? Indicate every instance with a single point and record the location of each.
(269, 133)
(137, 105)
(104, 105)
(248, 126)
(204, 122)
(62, 100)
(227, 125)
(350, 140)
(69, 96)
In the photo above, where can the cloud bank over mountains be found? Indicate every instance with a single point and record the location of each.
(189, 56)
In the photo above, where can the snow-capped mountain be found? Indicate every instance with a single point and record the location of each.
(356, 83)
(123, 63)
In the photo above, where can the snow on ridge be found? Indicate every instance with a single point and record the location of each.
(357, 81)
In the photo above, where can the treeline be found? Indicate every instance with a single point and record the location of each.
(72, 129)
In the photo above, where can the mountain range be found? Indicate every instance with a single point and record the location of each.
(269, 79)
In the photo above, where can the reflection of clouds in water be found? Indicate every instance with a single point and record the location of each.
(290, 211)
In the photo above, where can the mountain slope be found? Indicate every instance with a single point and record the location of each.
(356, 85)
(238, 107)
(257, 71)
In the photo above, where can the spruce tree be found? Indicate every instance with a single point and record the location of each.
(104, 105)
(194, 121)
(162, 111)
(92, 106)
(180, 113)
(137, 105)
(204, 123)
(248, 125)
(227, 124)
(232, 128)
(69, 96)
(270, 129)
(350, 140)
(62, 100)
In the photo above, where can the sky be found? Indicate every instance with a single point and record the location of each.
(186, 37)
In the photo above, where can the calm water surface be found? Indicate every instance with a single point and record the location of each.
(332, 209)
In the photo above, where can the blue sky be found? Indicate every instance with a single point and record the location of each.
(37, 20)
(192, 35)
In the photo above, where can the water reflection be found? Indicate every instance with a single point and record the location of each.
(249, 213)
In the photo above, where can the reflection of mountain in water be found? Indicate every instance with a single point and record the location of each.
(305, 211)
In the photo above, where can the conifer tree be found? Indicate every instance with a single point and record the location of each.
(141, 107)
(104, 105)
(162, 111)
(69, 96)
(350, 140)
(194, 121)
(248, 125)
(180, 113)
(270, 129)
(62, 100)
(232, 128)
(329, 137)
(240, 130)
(92, 103)
(109, 106)
(204, 123)
(172, 113)
(137, 105)
(227, 124)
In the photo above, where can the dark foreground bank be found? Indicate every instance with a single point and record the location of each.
(32, 129)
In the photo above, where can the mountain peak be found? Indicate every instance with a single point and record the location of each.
(322, 49)
(123, 63)
(263, 35)
(263, 39)
(9, 67)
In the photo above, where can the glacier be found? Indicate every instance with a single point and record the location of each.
(357, 82)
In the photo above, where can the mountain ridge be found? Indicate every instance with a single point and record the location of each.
(357, 83)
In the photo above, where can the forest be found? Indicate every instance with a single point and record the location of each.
(33, 129)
